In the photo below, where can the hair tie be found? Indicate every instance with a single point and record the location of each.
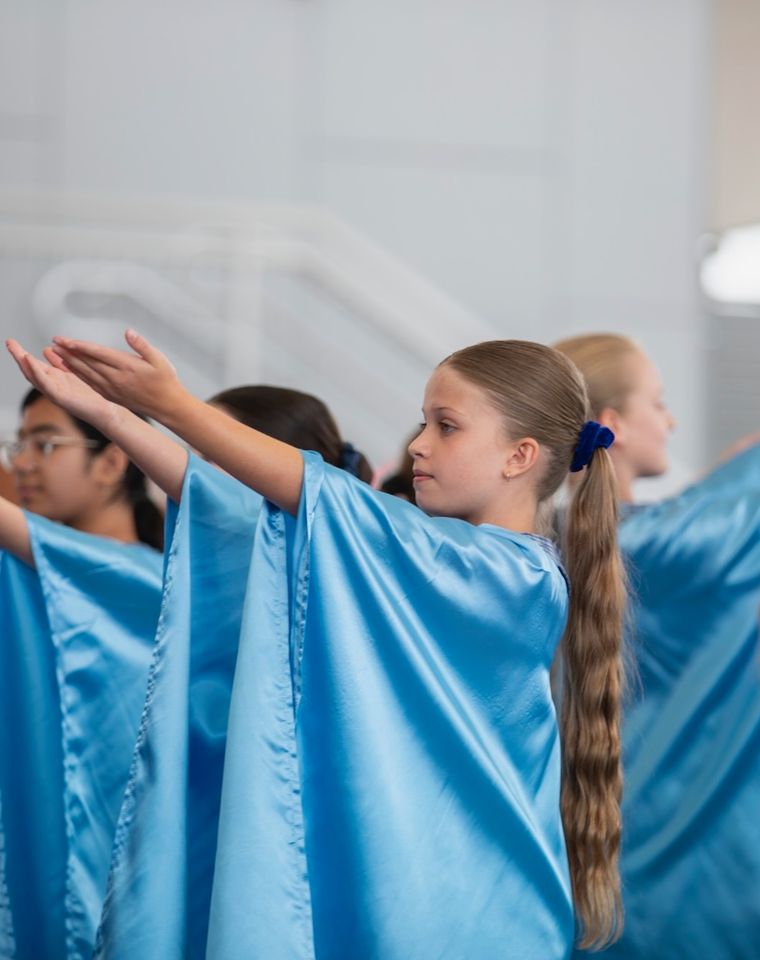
(592, 436)
(349, 459)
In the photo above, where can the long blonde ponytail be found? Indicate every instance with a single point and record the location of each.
(542, 395)
(592, 674)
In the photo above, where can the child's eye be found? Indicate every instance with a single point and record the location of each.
(447, 427)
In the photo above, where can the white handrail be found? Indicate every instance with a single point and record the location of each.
(142, 251)
(254, 239)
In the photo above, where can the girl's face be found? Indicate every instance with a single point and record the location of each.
(63, 485)
(461, 454)
(645, 423)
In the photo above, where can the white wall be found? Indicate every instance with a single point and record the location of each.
(541, 160)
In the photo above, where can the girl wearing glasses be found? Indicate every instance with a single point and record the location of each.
(67, 471)
(80, 587)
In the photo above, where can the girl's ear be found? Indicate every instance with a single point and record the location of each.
(609, 417)
(110, 466)
(522, 456)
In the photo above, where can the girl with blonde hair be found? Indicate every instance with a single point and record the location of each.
(396, 782)
(691, 848)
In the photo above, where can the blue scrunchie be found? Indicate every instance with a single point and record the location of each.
(592, 436)
(349, 459)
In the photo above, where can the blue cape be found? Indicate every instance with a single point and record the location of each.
(691, 842)
(391, 786)
(76, 635)
(160, 883)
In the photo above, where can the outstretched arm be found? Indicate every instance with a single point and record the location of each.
(14, 532)
(145, 381)
(739, 446)
(157, 455)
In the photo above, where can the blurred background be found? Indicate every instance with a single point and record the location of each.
(334, 194)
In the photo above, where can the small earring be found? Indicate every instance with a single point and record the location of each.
(509, 477)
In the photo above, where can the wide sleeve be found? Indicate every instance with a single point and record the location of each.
(691, 847)
(694, 560)
(33, 859)
(391, 785)
(160, 882)
(102, 599)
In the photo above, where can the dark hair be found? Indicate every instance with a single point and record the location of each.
(149, 521)
(299, 419)
(401, 481)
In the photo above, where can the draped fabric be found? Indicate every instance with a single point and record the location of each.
(160, 883)
(75, 641)
(31, 769)
(7, 938)
(691, 843)
(391, 781)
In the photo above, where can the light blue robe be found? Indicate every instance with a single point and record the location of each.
(160, 883)
(691, 812)
(391, 787)
(75, 642)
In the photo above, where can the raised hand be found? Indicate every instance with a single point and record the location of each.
(144, 381)
(61, 386)
(163, 460)
(739, 446)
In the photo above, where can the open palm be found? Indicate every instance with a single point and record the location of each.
(141, 379)
(60, 385)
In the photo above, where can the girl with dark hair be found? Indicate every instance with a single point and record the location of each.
(296, 418)
(94, 490)
(396, 782)
(192, 665)
(80, 587)
(161, 909)
(161, 906)
(400, 483)
(691, 852)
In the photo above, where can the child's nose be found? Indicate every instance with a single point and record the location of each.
(418, 447)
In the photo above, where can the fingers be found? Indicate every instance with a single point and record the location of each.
(16, 350)
(139, 344)
(35, 371)
(147, 351)
(55, 359)
(23, 358)
(143, 381)
(99, 358)
(114, 358)
(81, 364)
(92, 352)
(91, 373)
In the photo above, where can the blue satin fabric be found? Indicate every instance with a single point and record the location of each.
(7, 936)
(76, 640)
(391, 785)
(160, 884)
(691, 842)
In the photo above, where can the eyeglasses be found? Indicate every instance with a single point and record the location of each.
(40, 447)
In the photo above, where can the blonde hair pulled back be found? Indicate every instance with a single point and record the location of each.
(604, 361)
(541, 394)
